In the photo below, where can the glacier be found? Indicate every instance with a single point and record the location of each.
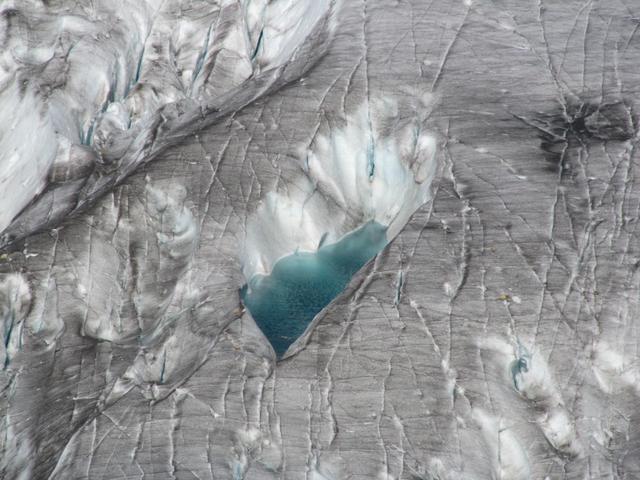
(472, 163)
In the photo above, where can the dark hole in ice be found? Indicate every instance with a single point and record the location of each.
(583, 123)
(300, 285)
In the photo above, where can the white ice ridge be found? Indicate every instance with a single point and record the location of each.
(613, 370)
(508, 457)
(89, 90)
(377, 165)
(15, 302)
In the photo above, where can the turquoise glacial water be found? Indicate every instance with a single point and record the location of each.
(300, 285)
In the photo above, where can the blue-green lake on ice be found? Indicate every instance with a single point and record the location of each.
(300, 285)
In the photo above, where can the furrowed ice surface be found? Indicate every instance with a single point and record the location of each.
(494, 337)
(158, 250)
(15, 302)
(127, 79)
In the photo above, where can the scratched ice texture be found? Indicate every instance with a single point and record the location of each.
(158, 155)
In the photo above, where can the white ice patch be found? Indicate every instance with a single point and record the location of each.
(612, 371)
(508, 459)
(252, 445)
(286, 24)
(375, 167)
(24, 161)
(18, 452)
(15, 302)
(533, 380)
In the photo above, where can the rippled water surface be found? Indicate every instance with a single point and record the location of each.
(300, 285)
